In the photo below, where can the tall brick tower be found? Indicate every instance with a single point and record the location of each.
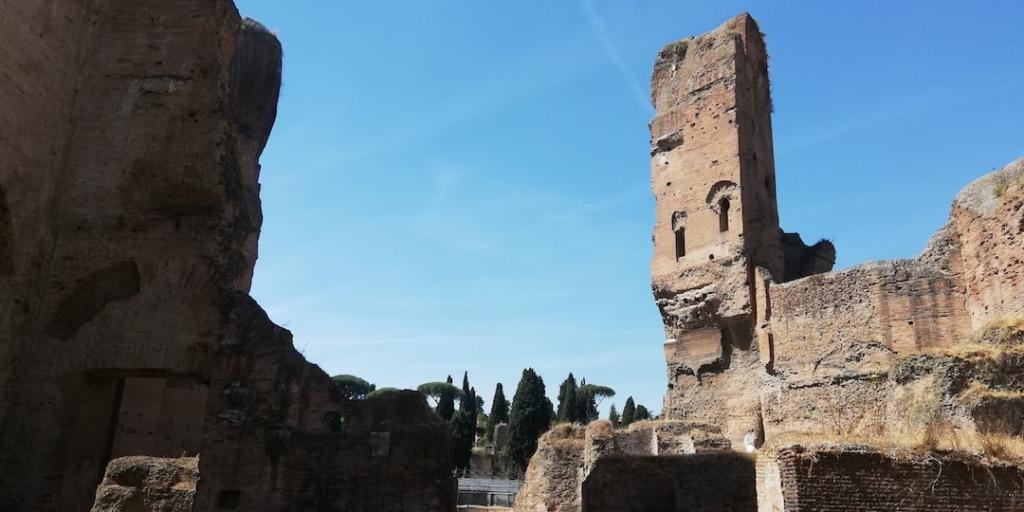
(713, 176)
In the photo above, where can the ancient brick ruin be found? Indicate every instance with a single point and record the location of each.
(129, 219)
(767, 348)
(754, 345)
(137, 374)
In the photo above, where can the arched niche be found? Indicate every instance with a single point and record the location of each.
(721, 199)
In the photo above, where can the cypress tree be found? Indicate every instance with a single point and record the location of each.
(463, 432)
(628, 412)
(530, 416)
(568, 401)
(446, 404)
(499, 411)
(613, 416)
(464, 428)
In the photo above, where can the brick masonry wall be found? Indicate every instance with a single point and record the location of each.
(853, 481)
(722, 481)
(894, 306)
(988, 217)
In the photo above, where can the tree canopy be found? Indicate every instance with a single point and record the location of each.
(568, 401)
(446, 401)
(464, 425)
(641, 413)
(628, 412)
(597, 391)
(438, 390)
(499, 411)
(529, 417)
(352, 387)
(613, 416)
(377, 393)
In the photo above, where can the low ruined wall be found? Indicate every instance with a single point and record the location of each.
(838, 348)
(876, 310)
(279, 438)
(864, 480)
(553, 477)
(709, 481)
(567, 454)
(148, 484)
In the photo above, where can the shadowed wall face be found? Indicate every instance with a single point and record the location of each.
(129, 221)
(722, 482)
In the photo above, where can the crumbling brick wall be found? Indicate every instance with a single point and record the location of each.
(988, 226)
(853, 480)
(567, 454)
(841, 338)
(129, 218)
(148, 484)
(722, 481)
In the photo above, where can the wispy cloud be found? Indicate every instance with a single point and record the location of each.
(447, 226)
(600, 30)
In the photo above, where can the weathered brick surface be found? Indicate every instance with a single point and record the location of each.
(887, 307)
(129, 219)
(722, 481)
(567, 455)
(148, 484)
(713, 175)
(988, 222)
(853, 481)
(761, 339)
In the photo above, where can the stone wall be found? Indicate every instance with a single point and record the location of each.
(715, 216)
(723, 481)
(129, 220)
(848, 337)
(761, 338)
(716, 221)
(148, 484)
(877, 309)
(988, 224)
(567, 454)
(39, 66)
(849, 480)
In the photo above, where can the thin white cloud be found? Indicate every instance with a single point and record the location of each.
(612, 51)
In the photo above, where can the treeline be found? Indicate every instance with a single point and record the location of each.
(528, 416)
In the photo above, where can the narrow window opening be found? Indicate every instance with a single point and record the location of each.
(723, 215)
(680, 242)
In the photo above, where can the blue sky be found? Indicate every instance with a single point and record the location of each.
(465, 186)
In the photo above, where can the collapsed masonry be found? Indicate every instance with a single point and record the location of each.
(130, 134)
(770, 348)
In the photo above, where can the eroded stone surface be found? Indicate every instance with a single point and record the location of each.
(568, 454)
(763, 343)
(148, 484)
(129, 220)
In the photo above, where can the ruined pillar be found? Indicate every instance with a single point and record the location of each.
(713, 177)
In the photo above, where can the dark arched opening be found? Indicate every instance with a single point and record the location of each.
(6, 243)
(723, 215)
